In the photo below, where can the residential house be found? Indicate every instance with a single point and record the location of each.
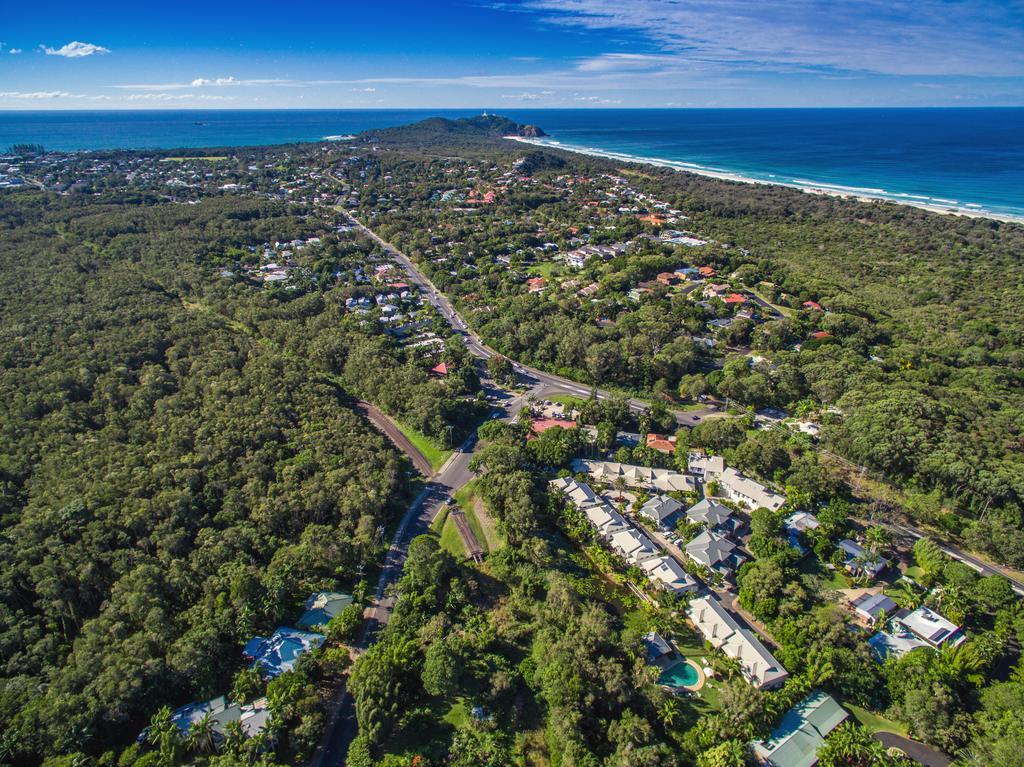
(707, 467)
(712, 515)
(895, 643)
(643, 477)
(633, 546)
(541, 425)
(669, 575)
(658, 649)
(662, 443)
(535, 284)
(278, 653)
(860, 561)
(662, 510)
(932, 628)
(715, 289)
(797, 524)
(801, 732)
(321, 607)
(871, 608)
(441, 369)
(715, 552)
(741, 489)
(724, 632)
(252, 716)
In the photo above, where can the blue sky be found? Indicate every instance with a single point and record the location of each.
(495, 53)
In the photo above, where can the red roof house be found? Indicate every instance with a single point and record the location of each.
(661, 442)
(813, 305)
(440, 369)
(819, 334)
(735, 298)
(535, 284)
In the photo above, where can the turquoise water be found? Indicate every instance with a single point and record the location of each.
(967, 159)
(681, 674)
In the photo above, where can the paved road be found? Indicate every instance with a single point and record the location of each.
(919, 752)
(341, 727)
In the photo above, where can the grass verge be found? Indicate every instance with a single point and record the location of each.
(430, 448)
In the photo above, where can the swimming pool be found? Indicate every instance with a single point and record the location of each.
(681, 674)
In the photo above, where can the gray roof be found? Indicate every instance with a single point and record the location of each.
(709, 512)
(874, 604)
(661, 507)
(656, 646)
(710, 549)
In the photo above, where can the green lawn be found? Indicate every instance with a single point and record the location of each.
(430, 448)
(567, 399)
(542, 269)
(451, 541)
(873, 722)
(479, 520)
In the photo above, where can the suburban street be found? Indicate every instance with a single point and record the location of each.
(341, 727)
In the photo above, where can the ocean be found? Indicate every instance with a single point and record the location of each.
(963, 159)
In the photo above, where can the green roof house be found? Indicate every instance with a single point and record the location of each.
(795, 742)
(321, 607)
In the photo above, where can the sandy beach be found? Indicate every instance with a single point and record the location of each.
(810, 187)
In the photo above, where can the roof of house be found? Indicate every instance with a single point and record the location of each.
(710, 549)
(634, 546)
(884, 644)
(278, 653)
(735, 298)
(252, 716)
(321, 607)
(812, 305)
(858, 556)
(873, 605)
(708, 464)
(541, 425)
(441, 369)
(709, 512)
(668, 573)
(661, 507)
(646, 477)
(722, 631)
(932, 627)
(661, 442)
(656, 646)
(801, 732)
(750, 491)
(801, 521)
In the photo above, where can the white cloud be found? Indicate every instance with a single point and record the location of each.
(623, 62)
(43, 95)
(14, 51)
(200, 81)
(527, 96)
(893, 37)
(365, 90)
(203, 82)
(74, 50)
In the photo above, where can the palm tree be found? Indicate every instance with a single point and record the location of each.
(202, 736)
(669, 711)
(877, 538)
(905, 593)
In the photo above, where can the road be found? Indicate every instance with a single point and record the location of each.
(341, 726)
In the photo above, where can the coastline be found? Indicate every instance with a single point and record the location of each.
(810, 187)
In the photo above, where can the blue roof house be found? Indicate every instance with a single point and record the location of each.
(276, 654)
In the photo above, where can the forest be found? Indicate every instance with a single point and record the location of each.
(181, 463)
